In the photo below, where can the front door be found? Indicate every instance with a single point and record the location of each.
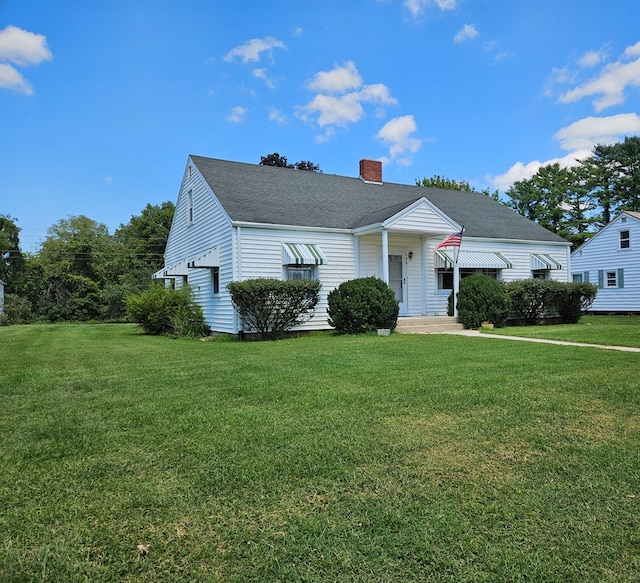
(398, 280)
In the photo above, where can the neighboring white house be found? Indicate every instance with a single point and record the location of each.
(235, 221)
(1, 296)
(611, 260)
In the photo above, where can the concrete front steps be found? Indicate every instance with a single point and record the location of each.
(428, 325)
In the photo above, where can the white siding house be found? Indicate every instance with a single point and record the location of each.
(611, 260)
(236, 221)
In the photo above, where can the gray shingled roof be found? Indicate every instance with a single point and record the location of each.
(282, 196)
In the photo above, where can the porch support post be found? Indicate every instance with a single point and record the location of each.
(385, 256)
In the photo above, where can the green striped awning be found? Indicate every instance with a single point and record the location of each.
(544, 261)
(302, 254)
(473, 259)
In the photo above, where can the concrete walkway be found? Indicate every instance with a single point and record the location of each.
(479, 334)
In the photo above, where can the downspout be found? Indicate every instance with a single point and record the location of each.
(237, 271)
(356, 250)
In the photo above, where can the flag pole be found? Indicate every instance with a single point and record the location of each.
(456, 275)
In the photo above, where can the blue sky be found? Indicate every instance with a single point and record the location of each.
(102, 101)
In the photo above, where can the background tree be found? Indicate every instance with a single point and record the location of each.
(139, 253)
(276, 159)
(73, 259)
(437, 181)
(11, 259)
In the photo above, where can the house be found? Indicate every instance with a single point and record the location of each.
(611, 260)
(235, 221)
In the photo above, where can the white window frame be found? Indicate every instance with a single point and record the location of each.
(215, 281)
(625, 241)
(611, 278)
(303, 271)
(190, 207)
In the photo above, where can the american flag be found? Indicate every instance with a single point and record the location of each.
(452, 240)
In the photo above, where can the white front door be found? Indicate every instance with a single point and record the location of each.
(398, 281)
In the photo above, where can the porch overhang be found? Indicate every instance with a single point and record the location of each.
(209, 259)
(178, 269)
(472, 259)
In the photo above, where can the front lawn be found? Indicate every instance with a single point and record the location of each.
(609, 330)
(353, 458)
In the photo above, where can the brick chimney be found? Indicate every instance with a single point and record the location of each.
(371, 171)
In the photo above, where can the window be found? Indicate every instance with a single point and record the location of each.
(611, 278)
(445, 276)
(299, 272)
(215, 280)
(576, 277)
(625, 240)
(540, 274)
(190, 207)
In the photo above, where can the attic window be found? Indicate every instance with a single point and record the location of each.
(625, 240)
(190, 207)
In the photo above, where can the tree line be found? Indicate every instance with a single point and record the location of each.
(81, 271)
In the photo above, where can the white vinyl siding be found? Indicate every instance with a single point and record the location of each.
(262, 256)
(188, 240)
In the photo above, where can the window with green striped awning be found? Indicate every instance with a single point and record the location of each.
(302, 254)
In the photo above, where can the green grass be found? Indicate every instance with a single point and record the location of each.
(406, 458)
(611, 330)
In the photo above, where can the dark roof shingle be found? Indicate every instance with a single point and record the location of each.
(282, 196)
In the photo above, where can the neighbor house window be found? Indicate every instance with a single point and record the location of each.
(299, 272)
(611, 279)
(215, 280)
(625, 240)
(576, 277)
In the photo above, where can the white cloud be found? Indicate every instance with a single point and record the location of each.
(251, 51)
(609, 87)
(276, 115)
(338, 80)
(341, 95)
(237, 114)
(417, 7)
(467, 32)
(11, 79)
(22, 47)
(396, 134)
(297, 31)
(578, 139)
(261, 73)
(587, 132)
(591, 59)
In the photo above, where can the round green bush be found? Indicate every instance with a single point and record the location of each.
(482, 299)
(162, 310)
(362, 305)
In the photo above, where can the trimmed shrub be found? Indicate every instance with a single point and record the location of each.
(531, 299)
(482, 299)
(272, 306)
(572, 300)
(162, 310)
(362, 305)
